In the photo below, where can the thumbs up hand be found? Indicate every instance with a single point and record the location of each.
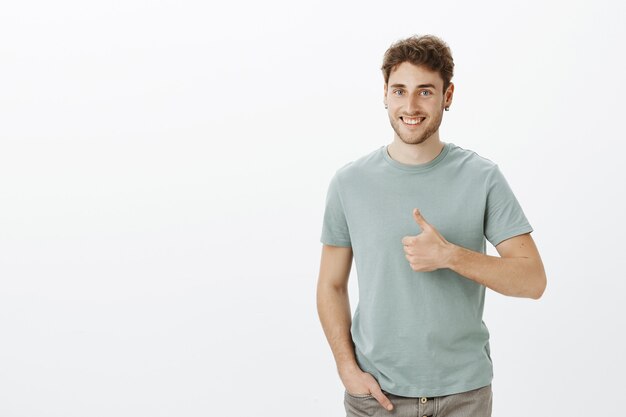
(428, 250)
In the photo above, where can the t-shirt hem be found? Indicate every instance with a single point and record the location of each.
(413, 391)
(335, 242)
(495, 241)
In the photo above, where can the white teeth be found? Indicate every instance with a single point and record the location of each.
(413, 121)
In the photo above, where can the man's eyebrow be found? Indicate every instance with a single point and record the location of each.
(419, 86)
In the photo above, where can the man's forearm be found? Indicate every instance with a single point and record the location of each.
(333, 307)
(516, 277)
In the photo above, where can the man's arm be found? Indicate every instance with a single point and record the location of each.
(333, 307)
(518, 272)
(333, 303)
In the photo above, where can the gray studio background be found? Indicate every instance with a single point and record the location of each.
(163, 169)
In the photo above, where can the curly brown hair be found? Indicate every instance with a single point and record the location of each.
(427, 50)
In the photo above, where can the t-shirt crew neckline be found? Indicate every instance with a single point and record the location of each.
(415, 167)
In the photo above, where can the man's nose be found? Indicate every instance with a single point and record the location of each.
(412, 104)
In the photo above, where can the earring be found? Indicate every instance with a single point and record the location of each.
(447, 108)
(385, 106)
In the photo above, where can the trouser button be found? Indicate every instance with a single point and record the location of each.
(424, 399)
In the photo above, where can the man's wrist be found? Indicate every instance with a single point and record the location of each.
(452, 255)
(346, 368)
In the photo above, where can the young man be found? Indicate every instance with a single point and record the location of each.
(415, 215)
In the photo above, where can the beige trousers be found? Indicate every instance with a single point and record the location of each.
(474, 403)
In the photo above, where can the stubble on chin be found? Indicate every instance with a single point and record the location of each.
(411, 139)
(396, 124)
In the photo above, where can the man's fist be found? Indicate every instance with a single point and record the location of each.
(428, 250)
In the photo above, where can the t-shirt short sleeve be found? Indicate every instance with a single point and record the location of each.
(335, 226)
(504, 217)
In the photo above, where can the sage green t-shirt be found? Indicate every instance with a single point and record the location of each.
(420, 334)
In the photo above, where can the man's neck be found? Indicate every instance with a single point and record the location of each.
(415, 154)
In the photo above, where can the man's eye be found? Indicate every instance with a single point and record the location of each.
(425, 91)
(398, 92)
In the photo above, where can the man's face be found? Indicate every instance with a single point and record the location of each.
(415, 100)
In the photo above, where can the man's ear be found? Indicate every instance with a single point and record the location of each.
(385, 95)
(449, 93)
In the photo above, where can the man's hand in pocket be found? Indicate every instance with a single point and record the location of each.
(358, 382)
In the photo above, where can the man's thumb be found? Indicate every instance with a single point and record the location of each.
(419, 219)
(382, 399)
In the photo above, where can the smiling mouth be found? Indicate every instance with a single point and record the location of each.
(412, 121)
